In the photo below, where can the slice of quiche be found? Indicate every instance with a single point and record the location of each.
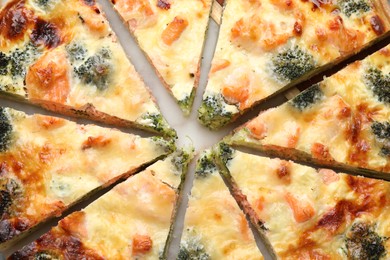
(48, 164)
(311, 214)
(64, 56)
(215, 227)
(267, 46)
(342, 121)
(132, 221)
(171, 33)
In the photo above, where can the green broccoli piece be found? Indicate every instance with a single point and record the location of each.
(363, 243)
(291, 64)
(225, 152)
(349, 7)
(77, 52)
(156, 121)
(20, 60)
(4, 61)
(167, 146)
(192, 250)
(181, 161)
(307, 98)
(45, 255)
(381, 130)
(205, 165)
(5, 130)
(213, 113)
(378, 83)
(385, 151)
(96, 70)
(186, 103)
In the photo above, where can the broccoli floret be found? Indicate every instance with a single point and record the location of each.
(5, 201)
(307, 98)
(381, 130)
(156, 121)
(42, 2)
(385, 151)
(4, 61)
(192, 250)
(363, 243)
(225, 152)
(167, 146)
(349, 7)
(20, 59)
(186, 103)
(213, 113)
(291, 64)
(205, 165)
(5, 130)
(96, 70)
(76, 51)
(181, 160)
(45, 255)
(379, 84)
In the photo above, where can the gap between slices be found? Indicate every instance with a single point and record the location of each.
(63, 56)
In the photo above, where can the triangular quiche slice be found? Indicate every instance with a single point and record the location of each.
(47, 164)
(342, 121)
(214, 225)
(171, 33)
(267, 46)
(63, 55)
(132, 221)
(311, 214)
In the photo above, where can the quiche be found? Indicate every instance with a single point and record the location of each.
(63, 56)
(47, 164)
(171, 33)
(267, 46)
(132, 221)
(342, 121)
(311, 214)
(214, 225)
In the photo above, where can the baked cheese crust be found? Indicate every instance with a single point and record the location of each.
(48, 163)
(266, 46)
(64, 56)
(343, 120)
(132, 221)
(214, 226)
(314, 214)
(171, 33)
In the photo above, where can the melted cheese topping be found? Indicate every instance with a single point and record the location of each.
(171, 33)
(307, 213)
(70, 42)
(253, 33)
(132, 221)
(214, 222)
(57, 162)
(338, 126)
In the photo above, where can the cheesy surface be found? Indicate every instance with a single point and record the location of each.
(64, 56)
(48, 164)
(132, 221)
(344, 119)
(315, 214)
(171, 33)
(265, 46)
(215, 227)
